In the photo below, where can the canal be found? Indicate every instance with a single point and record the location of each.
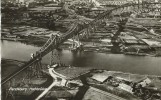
(114, 62)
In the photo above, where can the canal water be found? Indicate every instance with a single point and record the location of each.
(114, 62)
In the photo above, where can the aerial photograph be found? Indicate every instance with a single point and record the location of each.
(80, 49)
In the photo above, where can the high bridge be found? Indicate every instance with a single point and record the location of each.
(76, 28)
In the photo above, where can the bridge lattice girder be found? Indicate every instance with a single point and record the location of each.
(53, 43)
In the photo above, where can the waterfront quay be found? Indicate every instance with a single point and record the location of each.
(81, 50)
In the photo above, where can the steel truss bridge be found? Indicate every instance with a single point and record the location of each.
(81, 28)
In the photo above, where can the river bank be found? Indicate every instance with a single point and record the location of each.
(11, 65)
(98, 42)
(90, 77)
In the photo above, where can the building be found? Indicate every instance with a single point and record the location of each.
(101, 77)
(125, 87)
(145, 82)
(150, 0)
(20, 1)
(152, 43)
(113, 2)
(95, 2)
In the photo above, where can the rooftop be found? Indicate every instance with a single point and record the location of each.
(152, 42)
(44, 8)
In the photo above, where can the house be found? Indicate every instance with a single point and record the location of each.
(125, 87)
(101, 77)
(144, 82)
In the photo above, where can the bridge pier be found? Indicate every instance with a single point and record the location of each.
(52, 57)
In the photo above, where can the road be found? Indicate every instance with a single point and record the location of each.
(54, 76)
